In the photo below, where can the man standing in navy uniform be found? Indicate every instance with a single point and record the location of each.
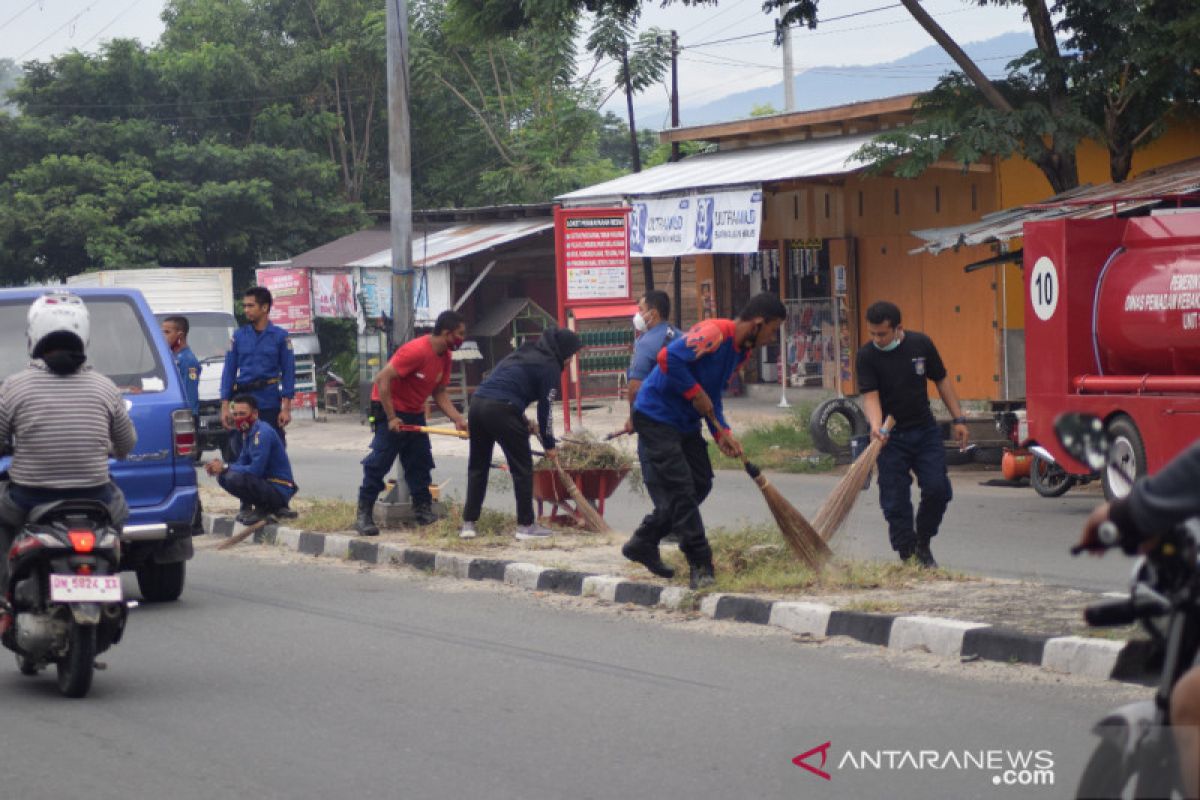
(260, 363)
(261, 477)
(175, 331)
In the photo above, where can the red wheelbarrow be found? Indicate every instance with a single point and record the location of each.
(596, 485)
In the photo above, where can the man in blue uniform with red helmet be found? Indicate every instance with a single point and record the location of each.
(685, 388)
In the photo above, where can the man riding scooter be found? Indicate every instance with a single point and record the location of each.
(61, 419)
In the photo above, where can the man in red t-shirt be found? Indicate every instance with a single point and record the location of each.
(417, 370)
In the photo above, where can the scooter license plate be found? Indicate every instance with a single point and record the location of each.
(85, 588)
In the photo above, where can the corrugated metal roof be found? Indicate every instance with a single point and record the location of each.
(501, 313)
(1084, 202)
(727, 168)
(458, 241)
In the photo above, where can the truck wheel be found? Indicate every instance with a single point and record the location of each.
(1126, 458)
(834, 423)
(1049, 479)
(161, 583)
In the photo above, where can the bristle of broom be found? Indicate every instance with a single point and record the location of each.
(801, 537)
(591, 517)
(836, 508)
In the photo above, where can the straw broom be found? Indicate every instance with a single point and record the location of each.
(836, 508)
(804, 540)
(591, 517)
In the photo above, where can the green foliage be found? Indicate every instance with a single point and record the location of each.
(1128, 65)
(763, 110)
(783, 445)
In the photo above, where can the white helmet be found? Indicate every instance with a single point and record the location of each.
(57, 312)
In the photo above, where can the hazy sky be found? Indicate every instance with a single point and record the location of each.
(709, 67)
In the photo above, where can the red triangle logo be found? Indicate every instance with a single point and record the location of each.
(823, 749)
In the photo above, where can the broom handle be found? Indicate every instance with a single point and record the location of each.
(751, 468)
(439, 431)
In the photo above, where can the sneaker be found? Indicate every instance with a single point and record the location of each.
(467, 531)
(924, 555)
(647, 555)
(534, 531)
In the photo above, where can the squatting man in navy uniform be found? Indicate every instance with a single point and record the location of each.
(261, 477)
(892, 372)
(260, 363)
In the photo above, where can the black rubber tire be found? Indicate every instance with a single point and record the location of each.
(161, 583)
(76, 668)
(1104, 774)
(27, 666)
(1049, 479)
(818, 424)
(1128, 452)
(1109, 774)
(956, 457)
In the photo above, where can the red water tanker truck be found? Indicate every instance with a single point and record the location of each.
(1112, 328)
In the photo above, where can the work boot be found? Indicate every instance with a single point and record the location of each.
(702, 576)
(364, 523)
(423, 515)
(905, 552)
(647, 555)
(243, 510)
(286, 513)
(923, 554)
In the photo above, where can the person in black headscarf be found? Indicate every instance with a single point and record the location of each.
(497, 415)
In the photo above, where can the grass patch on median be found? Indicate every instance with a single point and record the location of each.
(324, 516)
(783, 445)
(493, 529)
(756, 559)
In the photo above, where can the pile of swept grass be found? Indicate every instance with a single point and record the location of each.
(756, 559)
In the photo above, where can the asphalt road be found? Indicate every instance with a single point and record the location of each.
(989, 530)
(306, 680)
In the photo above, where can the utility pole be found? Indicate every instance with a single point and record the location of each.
(674, 92)
(789, 81)
(396, 506)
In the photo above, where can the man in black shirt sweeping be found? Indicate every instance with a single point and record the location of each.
(892, 373)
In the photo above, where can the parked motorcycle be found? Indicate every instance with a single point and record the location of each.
(1136, 755)
(64, 599)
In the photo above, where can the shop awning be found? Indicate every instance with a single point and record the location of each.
(749, 166)
(458, 241)
(1151, 188)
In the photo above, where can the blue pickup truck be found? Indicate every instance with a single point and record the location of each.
(159, 477)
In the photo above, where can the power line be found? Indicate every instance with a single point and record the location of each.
(14, 17)
(128, 8)
(54, 32)
(819, 21)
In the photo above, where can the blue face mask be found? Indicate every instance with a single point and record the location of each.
(887, 348)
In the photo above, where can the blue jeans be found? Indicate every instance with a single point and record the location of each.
(912, 451)
(416, 459)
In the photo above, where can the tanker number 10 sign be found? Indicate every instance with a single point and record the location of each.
(595, 257)
(1043, 288)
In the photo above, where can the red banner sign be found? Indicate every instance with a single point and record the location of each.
(291, 293)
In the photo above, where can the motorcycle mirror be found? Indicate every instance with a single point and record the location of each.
(1083, 436)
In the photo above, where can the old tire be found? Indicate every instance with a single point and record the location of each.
(161, 583)
(76, 667)
(1126, 458)
(837, 412)
(1049, 479)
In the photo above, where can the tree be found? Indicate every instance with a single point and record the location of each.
(10, 75)
(643, 61)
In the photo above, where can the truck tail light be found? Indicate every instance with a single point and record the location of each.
(183, 431)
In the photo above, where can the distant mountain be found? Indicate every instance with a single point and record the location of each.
(819, 87)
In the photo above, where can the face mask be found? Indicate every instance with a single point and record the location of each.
(639, 323)
(752, 339)
(454, 342)
(887, 348)
(244, 424)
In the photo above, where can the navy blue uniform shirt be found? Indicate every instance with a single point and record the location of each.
(255, 356)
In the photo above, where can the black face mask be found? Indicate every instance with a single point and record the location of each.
(752, 340)
(64, 362)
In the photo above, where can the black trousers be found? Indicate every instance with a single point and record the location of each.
(493, 422)
(253, 490)
(414, 452)
(678, 476)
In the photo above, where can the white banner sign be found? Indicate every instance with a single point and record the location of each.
(716, 222)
